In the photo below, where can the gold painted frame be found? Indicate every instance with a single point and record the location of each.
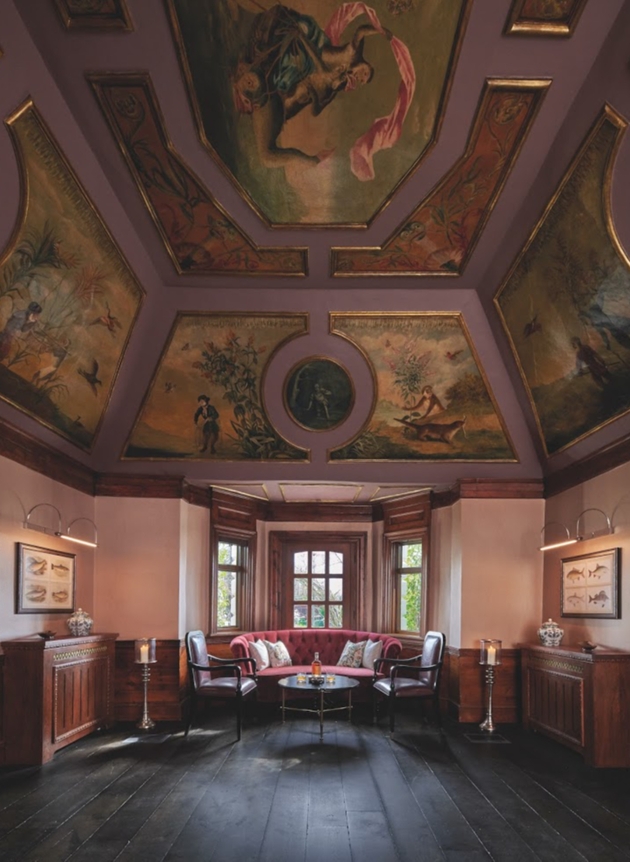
(490, 84)
(607, 113)
(304, 361)
(97, 80)
(10, 248)
(91, 21)
(196, 112)
(518, 24)
(589, 585)
(237, 314)
(36, 581)
(458, 315)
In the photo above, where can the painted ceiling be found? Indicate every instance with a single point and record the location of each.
(314, 250)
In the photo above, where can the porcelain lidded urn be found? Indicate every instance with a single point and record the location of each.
(550, 633)
(80, 623)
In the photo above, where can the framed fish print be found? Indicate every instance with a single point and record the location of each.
(590, 585)
(45, 581)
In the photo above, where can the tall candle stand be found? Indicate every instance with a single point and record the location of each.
(145, 657)
(490, 658)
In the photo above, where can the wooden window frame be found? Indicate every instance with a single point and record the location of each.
(245, 585)
(278, 542)
(391, 581)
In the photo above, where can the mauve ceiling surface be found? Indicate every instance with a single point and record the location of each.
(43, 60)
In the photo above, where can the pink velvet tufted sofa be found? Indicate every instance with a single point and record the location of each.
(302, 644)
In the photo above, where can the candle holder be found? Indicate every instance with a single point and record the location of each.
(490, 657)
(144, 655)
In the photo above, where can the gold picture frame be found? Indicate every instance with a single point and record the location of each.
(45, 580)
(590, 585)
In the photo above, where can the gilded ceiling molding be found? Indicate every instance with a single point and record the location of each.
(431, 399)
(565, 302)
(318, 112)
(206, 402)
(440, 235)
(95, 15)
(68, 297)
(197, 232)
(544, 17)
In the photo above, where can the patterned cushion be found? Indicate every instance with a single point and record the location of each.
(259, 651)
(278, 654)
(352, 654)
(372, 651)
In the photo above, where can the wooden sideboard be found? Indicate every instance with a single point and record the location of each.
(580, 699)
(55, 692)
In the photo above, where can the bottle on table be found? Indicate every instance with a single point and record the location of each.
(316, 667)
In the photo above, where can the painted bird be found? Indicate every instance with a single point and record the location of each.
(453, 354)
(532, 326)
(108, 320)
(91, 376)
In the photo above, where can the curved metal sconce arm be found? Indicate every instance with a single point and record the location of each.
(48, 530)
(70, 538)
(580, 537)
(561, 543)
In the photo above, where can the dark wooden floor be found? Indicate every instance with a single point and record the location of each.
(282, 795)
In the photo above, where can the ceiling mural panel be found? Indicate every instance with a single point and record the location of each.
(439, 236)
(318, 110)
(205, 400)
(565, 304)
(197, 232)
(318, 393)
(94, 14)
(544, 17)
(68, 298)
(431, 398)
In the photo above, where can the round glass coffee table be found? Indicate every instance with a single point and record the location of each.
(290, 684)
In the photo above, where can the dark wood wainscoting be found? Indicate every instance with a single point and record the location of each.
(168, 685)
(463, 690)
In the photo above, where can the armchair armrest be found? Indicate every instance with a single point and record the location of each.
(406, 663)
(232, 663)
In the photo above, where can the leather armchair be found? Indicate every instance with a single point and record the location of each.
(416, 677)
(219, 678)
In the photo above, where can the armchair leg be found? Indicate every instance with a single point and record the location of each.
(392, 712)
(239, 715)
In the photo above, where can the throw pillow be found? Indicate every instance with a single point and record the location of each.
(352, 654)
(278, 654)
(259, 652)
(372, 651)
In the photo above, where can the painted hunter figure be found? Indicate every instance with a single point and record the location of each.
(288, 64)
(19, 324)
(207, 420)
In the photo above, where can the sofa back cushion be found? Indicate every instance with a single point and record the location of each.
(302, 644)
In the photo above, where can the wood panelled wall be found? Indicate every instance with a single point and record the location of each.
(463, 692)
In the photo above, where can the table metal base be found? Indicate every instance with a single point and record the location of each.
(321, 709)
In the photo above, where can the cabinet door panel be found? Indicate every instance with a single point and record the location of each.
(80, 696)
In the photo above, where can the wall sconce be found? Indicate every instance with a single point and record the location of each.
(558, 544)
(91, 543)
(29, 525)
(579, 536)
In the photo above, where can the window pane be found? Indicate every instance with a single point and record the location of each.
(226, 599)
(319, 562)
(318, 590)
(300, 616)
(300, 562)
(318, 616)
(335, 563)
(335, 589)
(411, 555)
(228, 554)
(300, 589)
(335, 616)
(410, 593)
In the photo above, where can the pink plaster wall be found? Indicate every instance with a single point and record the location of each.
(20, 490)
(137, 586)
(501, 570)
(609, 493)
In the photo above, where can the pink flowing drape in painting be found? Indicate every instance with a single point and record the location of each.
(384, 132)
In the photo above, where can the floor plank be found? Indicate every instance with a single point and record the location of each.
(282, 794)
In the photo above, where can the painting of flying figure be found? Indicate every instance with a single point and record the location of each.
(590, 585)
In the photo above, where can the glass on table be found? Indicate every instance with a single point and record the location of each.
(330, 679)
(301, 678)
